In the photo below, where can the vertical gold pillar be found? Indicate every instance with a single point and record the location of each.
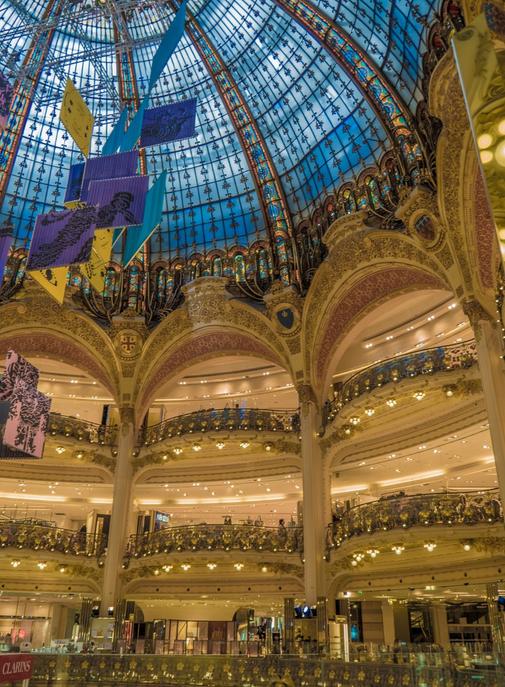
(121, 506)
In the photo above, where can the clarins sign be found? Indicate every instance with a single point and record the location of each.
(15, 667)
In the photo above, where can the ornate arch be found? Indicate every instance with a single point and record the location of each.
(363, 269)
(38, 326)
(209, 324)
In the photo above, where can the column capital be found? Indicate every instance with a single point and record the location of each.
(306, 394)
(477, 315)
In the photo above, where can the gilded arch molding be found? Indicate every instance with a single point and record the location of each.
(461, 197)
(390, 262)
(35, 325)
(209, 324)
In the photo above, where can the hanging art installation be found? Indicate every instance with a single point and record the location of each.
(24, 411)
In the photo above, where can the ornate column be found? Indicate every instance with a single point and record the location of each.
(492, 371)
(313, 499)
(121, 505)
(496, 619)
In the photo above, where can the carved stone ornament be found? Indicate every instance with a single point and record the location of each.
(128, 344)
(205, 299)
(476, 314)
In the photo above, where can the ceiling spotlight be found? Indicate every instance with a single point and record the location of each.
(467, 546)
(449, 390)
(391, 402)
(373, 553)
(354, 420)
(398, 549)
(212, 566)
(354, 562)
(358, 556)
(156, 572)
(419, 395)
(238, 566)
(60, 449)
(369, 411)
(196, 447)
(15, 563)
(268, 446)
(167, 568)
(177, 450)
(63, 568)
(244, 444)
(220, 445)
(347, 429)
(430, 546)
(264, 569)
(185, 566)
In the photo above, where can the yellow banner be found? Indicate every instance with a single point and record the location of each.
(77, 118)
(96, 269)
(53, 281)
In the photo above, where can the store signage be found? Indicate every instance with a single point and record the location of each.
(15, 667)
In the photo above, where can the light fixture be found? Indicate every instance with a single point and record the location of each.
(373, 553)
(430, 546)
(212, 566)
(63, 568)
(354, 420)
(347, 429)
(79, 455)
(185, 566)
(358, 556)
(391, 402)
(156, 572)
(484, 141)
(268, 446)
(500, 153)
(15, 563)
(354, 562)
(238, 566)
(196, 447)
(42, 565)
(449, 390)
(398, 548)
(369, 411)
(220, 445)
(264, 569)
(486, 156)
(244, 444)
(167, 568)
(419, 395)
(60, 450)
(467, 546)
(177, 450)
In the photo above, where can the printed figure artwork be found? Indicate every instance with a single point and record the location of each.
(96, 269)
(120, 202)
(109, 167)
(27, 419)
(61, 239)
(16, 367)
(169, 123)
(24, 411)
(6, 92)
(6, 240)
(74, 183)
(77, 118)
(53, 280)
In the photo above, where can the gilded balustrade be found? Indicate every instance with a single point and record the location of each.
(82, 430)
(226, 419)
(246, 671)
(424, 510)
(216, 537)
(26, 535)
(440, 359)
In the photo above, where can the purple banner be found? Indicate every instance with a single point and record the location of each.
(168, 123)
(25, 429)
(6, 92)
(75, 176)
(6, 240)
(16, 367)
(61, 239)
(121, 202)
(109, 167)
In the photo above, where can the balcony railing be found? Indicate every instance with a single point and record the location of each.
(440, 359)
(217, 538)
(424, 510)
(90, 432)
(24, 535)
(227, 419)
(243, 671)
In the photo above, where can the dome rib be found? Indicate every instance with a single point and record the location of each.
(33, 63)
(383, 98)
(268, 186)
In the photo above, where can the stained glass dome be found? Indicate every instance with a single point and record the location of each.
(297, 101)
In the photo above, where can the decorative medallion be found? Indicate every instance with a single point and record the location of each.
(128, 344)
